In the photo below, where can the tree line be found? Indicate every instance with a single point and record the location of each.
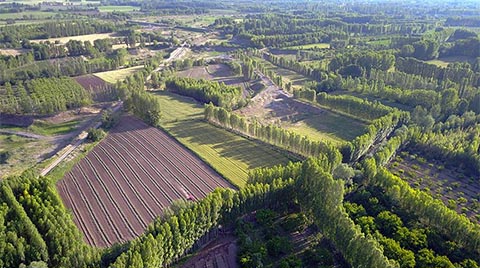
(272, 134)
(206, 91)
(72, 66)
(21, 241)
(141, 103)
(321, 198)
(433, 212)
(45, 230)
(455, 73)
(169, 237)
(13, 36)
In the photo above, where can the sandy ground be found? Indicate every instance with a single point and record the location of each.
(274, 104)
(216, 72)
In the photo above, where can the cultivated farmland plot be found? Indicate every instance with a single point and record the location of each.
(129, 179)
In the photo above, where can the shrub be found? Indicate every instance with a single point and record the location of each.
(4, 156)
(95, 134)
(295, 222)
(278, 246)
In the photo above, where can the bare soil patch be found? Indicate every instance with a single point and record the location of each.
(99, 89)
(216, 72)
(77, 114)
(275, 106)
(11, 51)
(129, 179)
(221, 252)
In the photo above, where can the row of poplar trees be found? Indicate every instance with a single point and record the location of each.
(271, 134)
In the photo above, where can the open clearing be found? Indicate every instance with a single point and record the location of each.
(275, 106)
(118, 75)
(11, 51)
(229, 154)
(129, 179)
(443, 62)
(117, 8)
(310, 46)
(83, 38)
(455, 189)
(24, 152)
(31, 140)
(295, 78)
(215, 72)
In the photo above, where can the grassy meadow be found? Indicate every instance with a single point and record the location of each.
(229, 154)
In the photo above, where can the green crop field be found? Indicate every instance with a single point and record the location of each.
(27, 15)
(117, 8)
(229, 154)
(49, 129)
(330, 126)
(310, 46)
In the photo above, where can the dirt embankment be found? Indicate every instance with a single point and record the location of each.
(274, 104)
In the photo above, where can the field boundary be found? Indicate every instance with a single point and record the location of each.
(234, 186)
(365, 121)
(285, 152)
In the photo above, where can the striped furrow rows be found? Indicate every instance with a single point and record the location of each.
(129, 179)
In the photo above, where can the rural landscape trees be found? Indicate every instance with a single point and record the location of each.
(239, 134)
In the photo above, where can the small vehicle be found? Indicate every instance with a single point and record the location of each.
(188, 196)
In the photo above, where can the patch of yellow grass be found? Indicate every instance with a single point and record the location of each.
(118, 75)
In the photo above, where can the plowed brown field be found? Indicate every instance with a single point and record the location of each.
(129, 179)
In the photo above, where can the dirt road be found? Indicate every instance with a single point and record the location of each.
(78, 140)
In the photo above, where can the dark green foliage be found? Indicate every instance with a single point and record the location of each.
(394, 251)
(20, 240)
(317, 256)
(145, 106)
(265, 217)
(322, 197)
(109, 119)
(4, 156)
(455, 147)
(44, 207)
(278, 246)
(354, 106)
(58, 68)
(95, 134)
(434, 212)
(295, 222)
(142, 104)
(40, 230)
(11, 36)
(291, 262)
(378, 130)
(206, 91)
(169, 237)
(456, 74)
